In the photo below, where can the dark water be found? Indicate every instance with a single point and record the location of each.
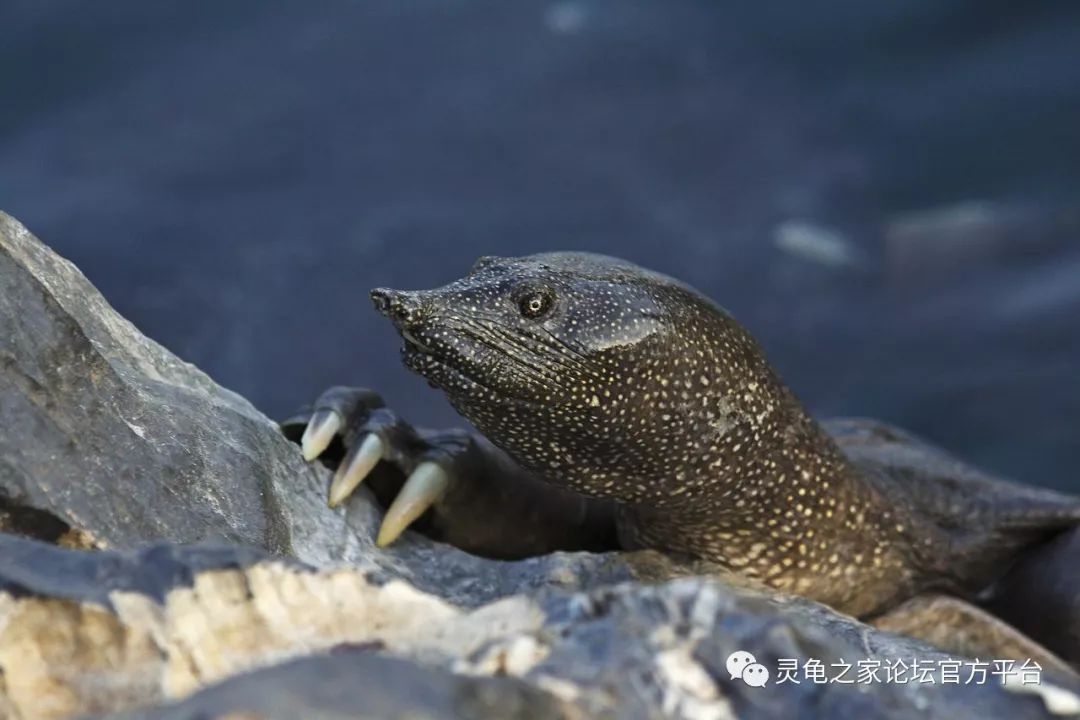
(235, 176)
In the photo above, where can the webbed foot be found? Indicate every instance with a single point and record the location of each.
(453, 485)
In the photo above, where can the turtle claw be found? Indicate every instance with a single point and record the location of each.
(418, 468)
(449, 485)
(360, 461)
(320, 432)
(425, 486)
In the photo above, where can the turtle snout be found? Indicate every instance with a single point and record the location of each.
(404, 308)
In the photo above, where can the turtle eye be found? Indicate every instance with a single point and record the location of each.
(535, 304)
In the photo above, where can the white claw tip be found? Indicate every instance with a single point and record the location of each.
(321, 429)
(423, 489)
(355, 468)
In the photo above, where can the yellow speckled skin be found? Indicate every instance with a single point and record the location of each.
(615, 382)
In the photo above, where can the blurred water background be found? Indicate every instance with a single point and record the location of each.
(886, 193)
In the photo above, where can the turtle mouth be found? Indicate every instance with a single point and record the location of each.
(431, 355)
(412, 342)
(442, 369)
(420, 353)
(459, 366)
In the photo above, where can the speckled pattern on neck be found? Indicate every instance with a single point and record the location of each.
(621, 383)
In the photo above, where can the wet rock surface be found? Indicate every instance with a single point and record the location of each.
(218, 584)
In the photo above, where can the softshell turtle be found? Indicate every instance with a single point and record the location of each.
(620, 408)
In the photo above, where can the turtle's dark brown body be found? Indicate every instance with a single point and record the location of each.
(620, 406)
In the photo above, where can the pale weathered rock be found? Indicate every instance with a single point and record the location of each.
(353, 683)
(101, 630)
(110, 441)
(97, 631)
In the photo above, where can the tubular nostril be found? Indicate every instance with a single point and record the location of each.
(401, 307)
(381, 297)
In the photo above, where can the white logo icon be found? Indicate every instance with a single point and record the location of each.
(743, 665)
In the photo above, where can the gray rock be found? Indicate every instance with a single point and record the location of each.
(111, 434)
(353, 683)
(112, 443)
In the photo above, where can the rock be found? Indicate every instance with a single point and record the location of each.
(98, 631)
(357, 684)
(112, 443)
(109, 433)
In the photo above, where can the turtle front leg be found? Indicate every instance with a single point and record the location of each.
(960, 628)
(455, 486)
